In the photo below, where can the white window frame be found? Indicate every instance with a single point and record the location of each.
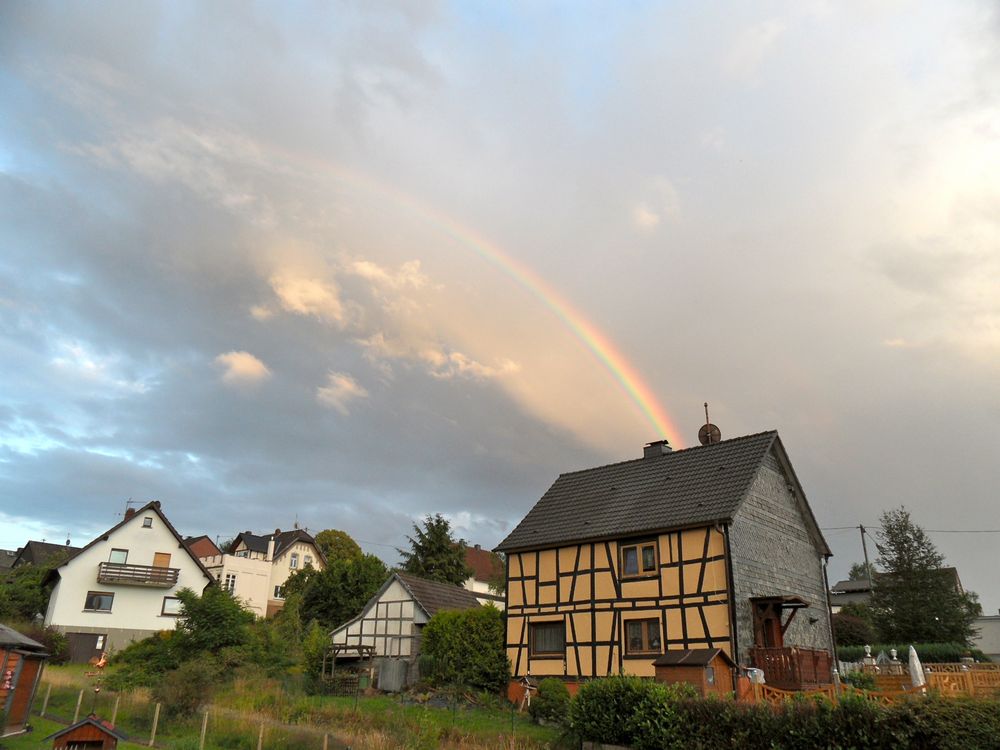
(229, 583)
(293, 560)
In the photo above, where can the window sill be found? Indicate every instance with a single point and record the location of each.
(98, 611)
(644, 655)
(640, 577)
(549, 656)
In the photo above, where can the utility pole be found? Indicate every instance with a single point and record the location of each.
(868, 567)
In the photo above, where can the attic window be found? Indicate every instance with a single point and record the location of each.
(147, 522)
(638, 559)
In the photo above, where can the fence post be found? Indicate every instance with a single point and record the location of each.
(204, 728)
(76, 714)
(260, 737)
(156, 720)
(326, 741)
(45, 703)
(114, 711)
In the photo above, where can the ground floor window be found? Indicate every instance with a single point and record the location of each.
(171, 606)
(547, 638)
(99, 601)
(642, 636)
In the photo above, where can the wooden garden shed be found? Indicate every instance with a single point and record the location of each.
(21, 662)
(89, 734)
(709, 670)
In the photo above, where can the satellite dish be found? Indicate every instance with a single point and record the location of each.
(709, 434)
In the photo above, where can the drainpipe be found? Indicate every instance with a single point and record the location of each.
(732, 595)
(829, 613)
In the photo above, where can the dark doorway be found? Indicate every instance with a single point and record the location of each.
(86, 646)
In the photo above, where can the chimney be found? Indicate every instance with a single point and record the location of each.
(129, 512)
(270, 549)
(656, 448)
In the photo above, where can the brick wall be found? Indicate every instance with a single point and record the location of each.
(773, 554)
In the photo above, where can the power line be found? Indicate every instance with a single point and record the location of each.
(932, 531)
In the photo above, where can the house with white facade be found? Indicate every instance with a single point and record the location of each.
(487, 569)
(123, 585)
(254, 567)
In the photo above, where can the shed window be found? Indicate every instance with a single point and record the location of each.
(99, 601)
(548, 638)
(638, 559)
(642, 636)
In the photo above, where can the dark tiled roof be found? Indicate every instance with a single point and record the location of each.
(7, 558)
(10, 637)
(433, 596)
(38, 553)
(282, 540)
(850, 586)
(681, 488)
(691, 657)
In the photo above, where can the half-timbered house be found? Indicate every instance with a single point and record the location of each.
(708, 547)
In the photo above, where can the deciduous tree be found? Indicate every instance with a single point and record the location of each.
(337, 545)
(337, 594)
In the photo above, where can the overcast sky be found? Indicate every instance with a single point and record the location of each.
(314, 262)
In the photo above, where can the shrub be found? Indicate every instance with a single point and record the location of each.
(186, 689)
(861, 680)
(467, 648)
(852, 630)
(551, 703)
(54, 641)
(623, 710)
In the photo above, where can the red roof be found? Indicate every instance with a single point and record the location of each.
(485, 565)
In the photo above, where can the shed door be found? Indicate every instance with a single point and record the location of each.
(161, 559)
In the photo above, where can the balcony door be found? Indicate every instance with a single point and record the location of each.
(767, 628)
(161, 559)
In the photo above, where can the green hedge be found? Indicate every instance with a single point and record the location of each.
(929, 653)
(466, 648)
(647, 715)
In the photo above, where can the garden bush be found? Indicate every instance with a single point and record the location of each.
(860, 680)
(646, 715)
(183, 691)
(551, 703)
(467, 648)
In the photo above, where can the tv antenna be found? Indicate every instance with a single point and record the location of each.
(709, 434)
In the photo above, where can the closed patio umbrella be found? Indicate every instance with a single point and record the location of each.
(916, 670)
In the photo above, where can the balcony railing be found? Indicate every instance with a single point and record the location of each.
(793, 667)
(137, 575)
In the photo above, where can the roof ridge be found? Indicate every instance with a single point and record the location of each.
(671, 453)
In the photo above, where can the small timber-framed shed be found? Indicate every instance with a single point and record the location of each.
(89, 734)
(21, 662)
(700, 548)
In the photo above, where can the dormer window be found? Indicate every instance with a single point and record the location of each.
(294, 560)
(147, 522)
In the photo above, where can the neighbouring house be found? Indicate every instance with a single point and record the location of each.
(7, 558)
(987, 637)
(21, 662)
(39, 553)
(90, 734)
(703, 548)
(254, 567)
(393, 618)
(123, 585)
(487, 569)
(202, 546)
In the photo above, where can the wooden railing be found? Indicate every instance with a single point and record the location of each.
(793, 667)
(137, 575)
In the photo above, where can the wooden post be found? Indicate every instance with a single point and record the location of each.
(156, 720)
(204, 729)
(114, 711)
(45, 703)
(76, 714)
(260, 737)
(326, 741)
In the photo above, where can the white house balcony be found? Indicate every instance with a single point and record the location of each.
(137, 575)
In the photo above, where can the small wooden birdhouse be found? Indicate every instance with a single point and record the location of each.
(90, 734)
(709, 670)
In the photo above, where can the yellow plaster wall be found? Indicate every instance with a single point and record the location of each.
(547, 565)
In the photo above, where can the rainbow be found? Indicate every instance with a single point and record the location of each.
(613, 361)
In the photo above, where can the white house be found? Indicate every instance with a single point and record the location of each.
(255, 567)
(393, 618)
(123, 585)
(487, 569)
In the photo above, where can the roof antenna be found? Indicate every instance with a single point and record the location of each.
(709, 434)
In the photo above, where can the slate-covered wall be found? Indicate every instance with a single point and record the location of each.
(773, 554)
